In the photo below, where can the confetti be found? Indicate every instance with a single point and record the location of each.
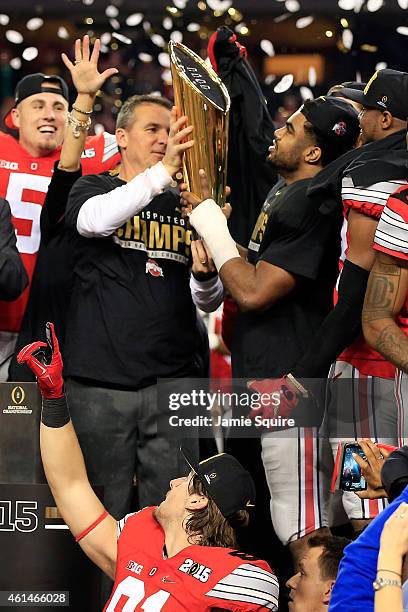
(158, 40)
(374, 5)
(403, 30)
(303, 22)
(30, 53)
(193, 27)
(267, 47)
(111, 11)
(34, 24)
(14, 37)
(306, 93)
(292, 6)
(15, 63)
(164, 60)
(145, 57)
(284, 84)
(122, 38)
(347, 38)
(4, 20)
(176, 36)
(62, 32)
(134, 19)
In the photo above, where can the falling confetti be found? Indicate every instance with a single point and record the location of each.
(267, 47)
(62, 32)
(284, 84)
(176, 36)
(122, 38)
(374, 5)
(158, 40)
(111, 11)
(306, 93)
(14, 37)
(193, 27)
(312, 76)
(135, 19)
(4, 20)
(347, 38)
(292, 6)
(145, 57)
(164, 60)
(303, 22)
(402, 30)
(15, 63)
(30, 53)
(34, 24)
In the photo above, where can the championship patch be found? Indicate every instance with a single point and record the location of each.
(195, 569)
(153, 268)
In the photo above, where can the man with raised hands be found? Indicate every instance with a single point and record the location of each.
(177, 556)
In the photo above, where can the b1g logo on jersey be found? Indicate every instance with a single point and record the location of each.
(200, 572)
(8, 165)
(134, 567)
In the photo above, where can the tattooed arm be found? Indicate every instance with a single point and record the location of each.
(385, 296)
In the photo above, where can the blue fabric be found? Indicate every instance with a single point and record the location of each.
(353, 590)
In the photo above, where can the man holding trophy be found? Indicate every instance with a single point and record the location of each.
(283, 286)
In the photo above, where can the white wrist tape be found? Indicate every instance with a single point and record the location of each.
(210, 222)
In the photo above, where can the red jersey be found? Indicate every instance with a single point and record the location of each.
(197, 578)
(24, 182)
(369, 201)
(391, 237)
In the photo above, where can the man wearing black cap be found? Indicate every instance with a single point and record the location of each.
(361, 392)
(283, 286)
(177, 556)
(26, 165)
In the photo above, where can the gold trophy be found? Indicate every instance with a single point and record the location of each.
(201, 95)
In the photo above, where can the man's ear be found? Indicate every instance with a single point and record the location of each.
(15, 115)
(196, 502)
(312, 154)
(386, 120)
(121, 138)
(327, 592)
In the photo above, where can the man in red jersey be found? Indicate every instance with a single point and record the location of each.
(177, 556)
(26, 165)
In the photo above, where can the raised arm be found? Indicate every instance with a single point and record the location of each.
(63, 462)
(87, 81)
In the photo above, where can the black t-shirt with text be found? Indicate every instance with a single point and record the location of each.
(293, 234)
(132, 319)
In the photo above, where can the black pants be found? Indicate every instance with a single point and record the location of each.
(117, 431)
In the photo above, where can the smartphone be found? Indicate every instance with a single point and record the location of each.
(350, 472)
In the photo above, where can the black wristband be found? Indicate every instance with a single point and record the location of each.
(55, 412)
(204, 276)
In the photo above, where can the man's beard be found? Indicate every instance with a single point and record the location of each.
(284, 165)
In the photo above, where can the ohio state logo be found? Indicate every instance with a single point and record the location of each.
(153, 268)
(340, 128)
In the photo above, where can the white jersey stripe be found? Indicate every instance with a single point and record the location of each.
(244, 594)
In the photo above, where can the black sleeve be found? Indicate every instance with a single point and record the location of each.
(53, 211)
(86, 187)
(341, 326)
(13, 277)
(300, 239)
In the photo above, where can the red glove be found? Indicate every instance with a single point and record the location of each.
(49, 376)
(284, 394)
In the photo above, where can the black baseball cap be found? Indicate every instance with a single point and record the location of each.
(225, 481)
(340, 90)
(387, 90)
(33, 84)
(394, 472)
(334, 120)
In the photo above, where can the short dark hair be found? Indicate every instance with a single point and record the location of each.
(125, 115)
(208, 527)
(332, 554)
(329, 151)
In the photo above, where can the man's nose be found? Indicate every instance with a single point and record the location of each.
(49, 112)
